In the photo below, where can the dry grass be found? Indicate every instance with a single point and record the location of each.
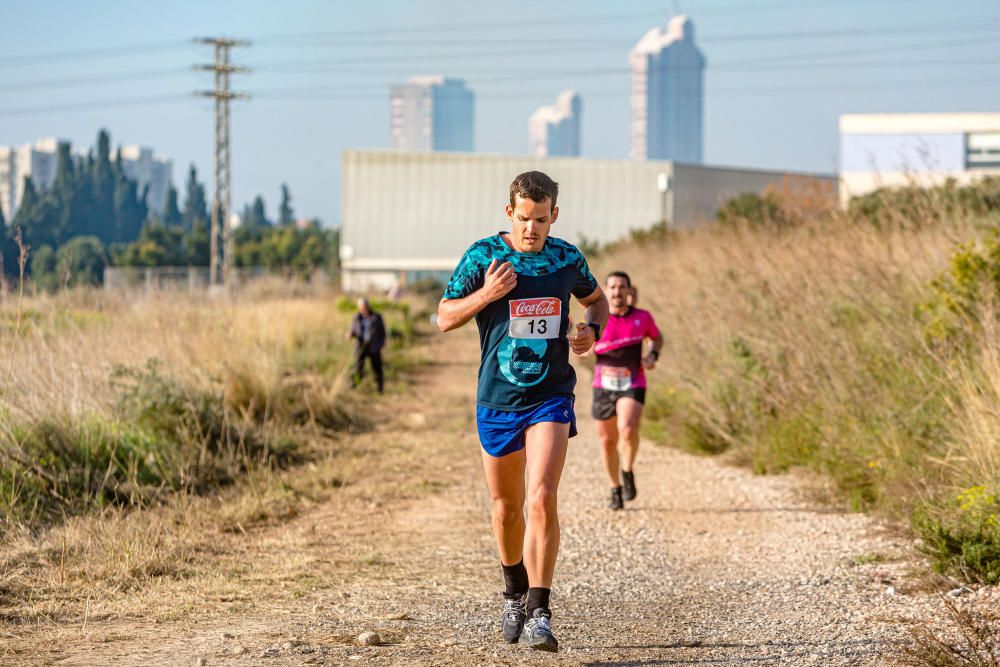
(806, 346)
(967, 635)
(143, 439)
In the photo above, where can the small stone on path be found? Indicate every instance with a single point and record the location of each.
(369, 639)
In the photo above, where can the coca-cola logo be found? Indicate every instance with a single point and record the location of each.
(543, 307)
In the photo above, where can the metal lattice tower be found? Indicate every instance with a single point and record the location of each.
(221, 232)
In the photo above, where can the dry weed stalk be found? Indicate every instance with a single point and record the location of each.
(971, 638)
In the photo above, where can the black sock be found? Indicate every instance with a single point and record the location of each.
(515, 579)
(538, 598)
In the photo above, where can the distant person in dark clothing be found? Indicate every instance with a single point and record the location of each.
(368, 332)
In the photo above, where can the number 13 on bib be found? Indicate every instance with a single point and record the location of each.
(535, 318)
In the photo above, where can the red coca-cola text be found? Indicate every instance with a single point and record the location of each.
(543, 307)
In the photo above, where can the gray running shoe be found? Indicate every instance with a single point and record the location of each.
(537, 632)
(616, 499)
(628, 485)
(513, 618)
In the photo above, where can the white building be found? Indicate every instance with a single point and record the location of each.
(432, 113)
(667, 94)
(393, 229)
(924, 149)
(39, 161)
(36, 160)
(142, 166)
(554, 131)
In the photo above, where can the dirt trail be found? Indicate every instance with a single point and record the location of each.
(710, 565)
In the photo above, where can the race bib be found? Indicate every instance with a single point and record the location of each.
(535, 318)
(614, 378)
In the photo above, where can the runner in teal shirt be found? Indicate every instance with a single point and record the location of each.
(517, 287)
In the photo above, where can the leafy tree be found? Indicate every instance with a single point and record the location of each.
(286, 215)
(42, 267)
(130, 207)
(36, 216)
(755, 210)
(198, 245)
(81, 261)
(72, 197)
(103, 189)
(7, 261)
(172, 214)
(195, 204)
(255, 216)
(159, 244)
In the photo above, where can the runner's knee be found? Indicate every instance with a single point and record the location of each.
(629, 432)
(507, 512)
(542, 501)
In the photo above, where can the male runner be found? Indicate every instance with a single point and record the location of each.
(517, 285)
(620, 383)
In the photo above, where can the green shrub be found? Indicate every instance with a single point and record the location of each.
(962, 534)
(755, 210)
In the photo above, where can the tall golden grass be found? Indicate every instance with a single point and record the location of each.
(115, 399)
(807, 345)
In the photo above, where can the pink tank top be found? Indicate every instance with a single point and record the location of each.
(619, 352)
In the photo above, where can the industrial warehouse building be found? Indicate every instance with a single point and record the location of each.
(407, 216)
(924, 149)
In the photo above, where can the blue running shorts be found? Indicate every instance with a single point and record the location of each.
(501, 432)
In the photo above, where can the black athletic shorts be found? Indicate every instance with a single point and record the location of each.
(603, 406)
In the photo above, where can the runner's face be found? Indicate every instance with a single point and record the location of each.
(531, 222)
(617, 290)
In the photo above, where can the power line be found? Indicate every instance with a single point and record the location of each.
(92, 54)
(411, 61)
(275, 96)
(114, 77)
(785, 61)
(502, 24)
(97, 104)
(354, 40)
(318, 94)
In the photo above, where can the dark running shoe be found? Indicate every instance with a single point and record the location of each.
(513, 618)
(628, 485)
(537, 632)
(616, 499)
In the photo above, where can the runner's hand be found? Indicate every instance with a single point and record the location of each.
(581, 341)
(499, 280)
(649, 362)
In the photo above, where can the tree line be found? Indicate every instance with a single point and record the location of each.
(95, 216)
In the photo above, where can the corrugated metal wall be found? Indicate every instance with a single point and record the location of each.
(414, 209)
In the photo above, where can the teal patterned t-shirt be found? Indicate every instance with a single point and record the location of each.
(522, 335)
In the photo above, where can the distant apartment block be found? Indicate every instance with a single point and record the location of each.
(924, 149)
(432, 113)
(142, 166)
(667, 94)
(38, 160)
(554, 131)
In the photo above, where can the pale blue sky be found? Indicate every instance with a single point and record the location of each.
(779, 74)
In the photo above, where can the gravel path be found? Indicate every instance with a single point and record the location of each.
(709, 565)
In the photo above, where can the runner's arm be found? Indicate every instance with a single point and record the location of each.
(597, 311)
(649, 361)
(498, 281)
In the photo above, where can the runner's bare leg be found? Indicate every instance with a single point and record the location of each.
(629, 413)
(505, 480)
(546, 454)
(607, 431)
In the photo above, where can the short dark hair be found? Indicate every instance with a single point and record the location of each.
(618, 274)
(534, 185)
